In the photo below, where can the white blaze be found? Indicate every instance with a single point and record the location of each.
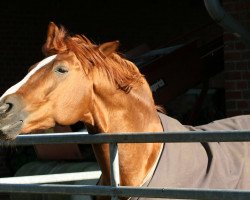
(15, 87)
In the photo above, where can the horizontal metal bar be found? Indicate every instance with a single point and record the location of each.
(122, 191)
(52, 178)
(83, 138)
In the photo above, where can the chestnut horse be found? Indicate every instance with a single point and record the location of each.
(82, 81)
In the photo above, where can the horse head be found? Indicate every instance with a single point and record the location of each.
(60, 89)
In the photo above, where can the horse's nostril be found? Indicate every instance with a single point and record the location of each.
(5, 108)
(10, 106)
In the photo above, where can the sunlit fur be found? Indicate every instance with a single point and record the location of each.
(102, 89)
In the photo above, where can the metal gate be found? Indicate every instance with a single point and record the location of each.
(14, 185)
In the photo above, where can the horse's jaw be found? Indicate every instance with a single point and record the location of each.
(12, 117)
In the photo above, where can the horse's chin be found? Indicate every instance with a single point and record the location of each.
(11, 130)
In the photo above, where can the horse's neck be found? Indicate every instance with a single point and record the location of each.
(123, 112)
(114, 110)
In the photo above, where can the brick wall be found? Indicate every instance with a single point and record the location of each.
(237, 62)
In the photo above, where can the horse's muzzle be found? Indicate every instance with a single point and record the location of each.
(11, 116)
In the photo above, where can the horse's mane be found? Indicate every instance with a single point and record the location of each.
(119, 70)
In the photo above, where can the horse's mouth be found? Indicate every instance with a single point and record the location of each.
(10, 131)
(12, 126)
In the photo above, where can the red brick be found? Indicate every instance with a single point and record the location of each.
(241, 84)
(242, 104)
(239, 45)
(229, 65)
(245, 75)
(241, 65)
(231, 85)
(233, 55)
(233, 75)
(233, 95)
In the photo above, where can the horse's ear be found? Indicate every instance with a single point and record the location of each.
(52, 30)
(51, 34)
(109, 47)
(55, 39)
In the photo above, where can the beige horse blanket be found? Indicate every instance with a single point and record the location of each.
(224, 165)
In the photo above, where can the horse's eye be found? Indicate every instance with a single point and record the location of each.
(61, 70)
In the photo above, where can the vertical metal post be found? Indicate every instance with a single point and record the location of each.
(114, 167)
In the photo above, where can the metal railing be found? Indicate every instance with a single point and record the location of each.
(124, 191)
